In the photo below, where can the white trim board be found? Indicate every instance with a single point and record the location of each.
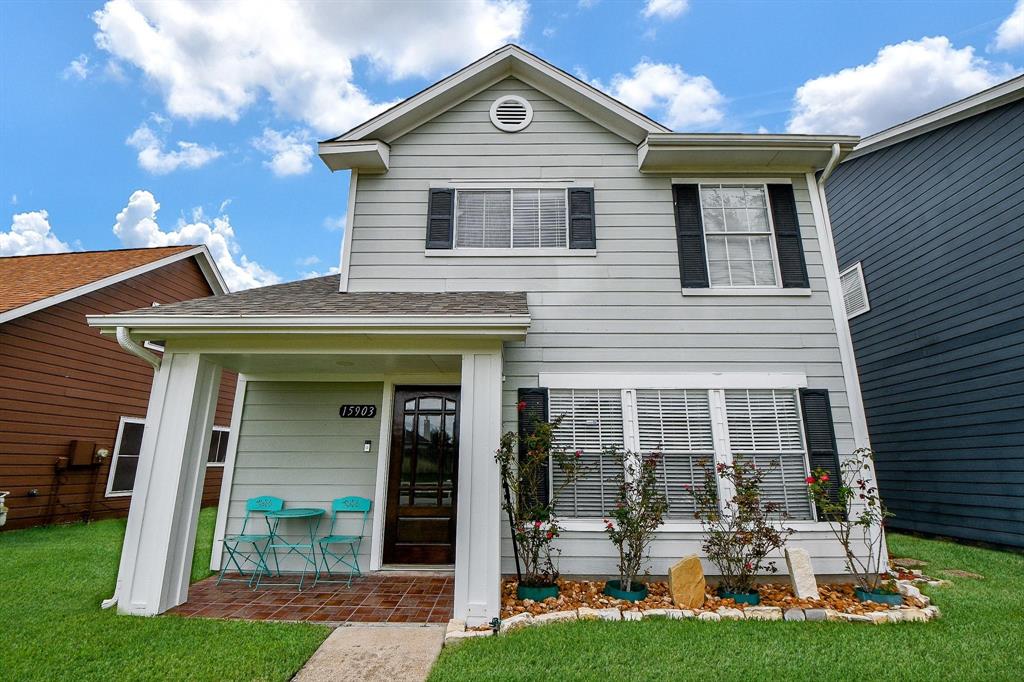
(346, 240)
(986, 100)
(224, 500)
(708, 380)
(203, 259)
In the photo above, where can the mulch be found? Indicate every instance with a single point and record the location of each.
(574, 594)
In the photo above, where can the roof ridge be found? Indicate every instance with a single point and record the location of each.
(180, 247)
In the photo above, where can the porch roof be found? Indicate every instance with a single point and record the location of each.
(318, 303)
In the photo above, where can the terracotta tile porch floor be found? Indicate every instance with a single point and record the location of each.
(373, 598)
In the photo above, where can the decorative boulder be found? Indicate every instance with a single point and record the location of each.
(686, 583)
(801, 574)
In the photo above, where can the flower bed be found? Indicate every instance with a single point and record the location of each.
(585, 600)
(575, 594)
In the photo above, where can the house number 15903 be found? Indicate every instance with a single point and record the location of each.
(357, 411)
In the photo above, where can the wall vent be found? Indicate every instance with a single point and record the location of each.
(855, 292)
(511, 113)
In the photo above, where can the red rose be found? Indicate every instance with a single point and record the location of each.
(536, 524)
(824, 477)
(521, 406)
(809, 480)
(550, 535)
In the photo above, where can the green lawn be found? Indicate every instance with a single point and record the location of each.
(51, 583)
(980, 637)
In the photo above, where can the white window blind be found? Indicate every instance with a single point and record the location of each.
(738, 235)
(591, 422)
(503, 218)
(676, 423)
(855, 293)
(764, 426)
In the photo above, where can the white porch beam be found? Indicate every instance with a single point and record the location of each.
(156, 558)
(477, 548)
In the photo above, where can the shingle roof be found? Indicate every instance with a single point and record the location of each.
(320, 296)
(27, 279)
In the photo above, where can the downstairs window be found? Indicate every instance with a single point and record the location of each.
(763, 426)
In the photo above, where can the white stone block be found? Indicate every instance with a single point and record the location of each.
(709, 615)
(763, 613)
(554, 617)
(632, 615)
(730, 614)
(801, 573)
(515, 622)
(587, 613)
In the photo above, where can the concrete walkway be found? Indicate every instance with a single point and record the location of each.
(385, 653)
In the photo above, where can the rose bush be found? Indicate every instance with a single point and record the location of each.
(740, 533)
(639, 510)
(523, 467)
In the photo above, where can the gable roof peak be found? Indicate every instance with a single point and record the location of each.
(509, 60)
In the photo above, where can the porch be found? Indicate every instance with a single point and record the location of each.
(376, 598)
(321, 412)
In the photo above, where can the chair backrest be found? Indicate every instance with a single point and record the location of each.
(264, 503)
(351, 504)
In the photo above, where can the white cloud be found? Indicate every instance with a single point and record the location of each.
(665, 9)
(1010, 34)
(903, 81)
(78, 68)
(666, 92)
(290, 154)
(30, 233)
(586, 4)
(335, 224)
(310, 274)
(213, 60)
(153, 157)
(136, 226)
(307, 261)
(14, 200)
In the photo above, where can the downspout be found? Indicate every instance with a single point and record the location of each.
(125, 340)
(829, 167)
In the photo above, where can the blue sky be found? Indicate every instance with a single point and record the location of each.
(211, 111)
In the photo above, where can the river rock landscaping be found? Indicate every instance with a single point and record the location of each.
(585, 600)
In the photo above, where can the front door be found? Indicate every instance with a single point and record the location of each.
(419, 526)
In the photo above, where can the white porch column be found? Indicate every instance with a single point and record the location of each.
(477, 542)
(156, 559)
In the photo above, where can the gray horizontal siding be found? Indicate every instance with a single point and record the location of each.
(938, 224)
(620, 310)
(293, 445)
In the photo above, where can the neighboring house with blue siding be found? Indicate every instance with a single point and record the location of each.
(516, 236)
(931, 212)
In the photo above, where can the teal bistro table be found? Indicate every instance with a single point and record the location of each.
(304, 547)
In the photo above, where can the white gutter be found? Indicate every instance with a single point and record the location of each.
(124, 338)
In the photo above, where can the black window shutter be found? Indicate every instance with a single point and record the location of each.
(582, 232)
(440, 218)
(535, 410)
(693, 266)
(822, 452)
(792, 266)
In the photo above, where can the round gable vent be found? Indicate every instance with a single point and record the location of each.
(511, 113)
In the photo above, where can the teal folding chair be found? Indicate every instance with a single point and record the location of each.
(243, 548)
(349, 552)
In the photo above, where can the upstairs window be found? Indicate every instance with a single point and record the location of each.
(511, 218)
(738, 230)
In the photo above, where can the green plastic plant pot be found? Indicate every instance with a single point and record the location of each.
(748, 598)
(612, 589)
(879, 597)
(536, 593)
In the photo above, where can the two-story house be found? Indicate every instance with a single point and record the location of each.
(515, 235)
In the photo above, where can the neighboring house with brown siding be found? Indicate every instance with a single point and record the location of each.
(67, 393)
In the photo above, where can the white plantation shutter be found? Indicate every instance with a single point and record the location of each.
(855, 292)
(764, 426)
(676, 423)
(483, 219)
(591, 422)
